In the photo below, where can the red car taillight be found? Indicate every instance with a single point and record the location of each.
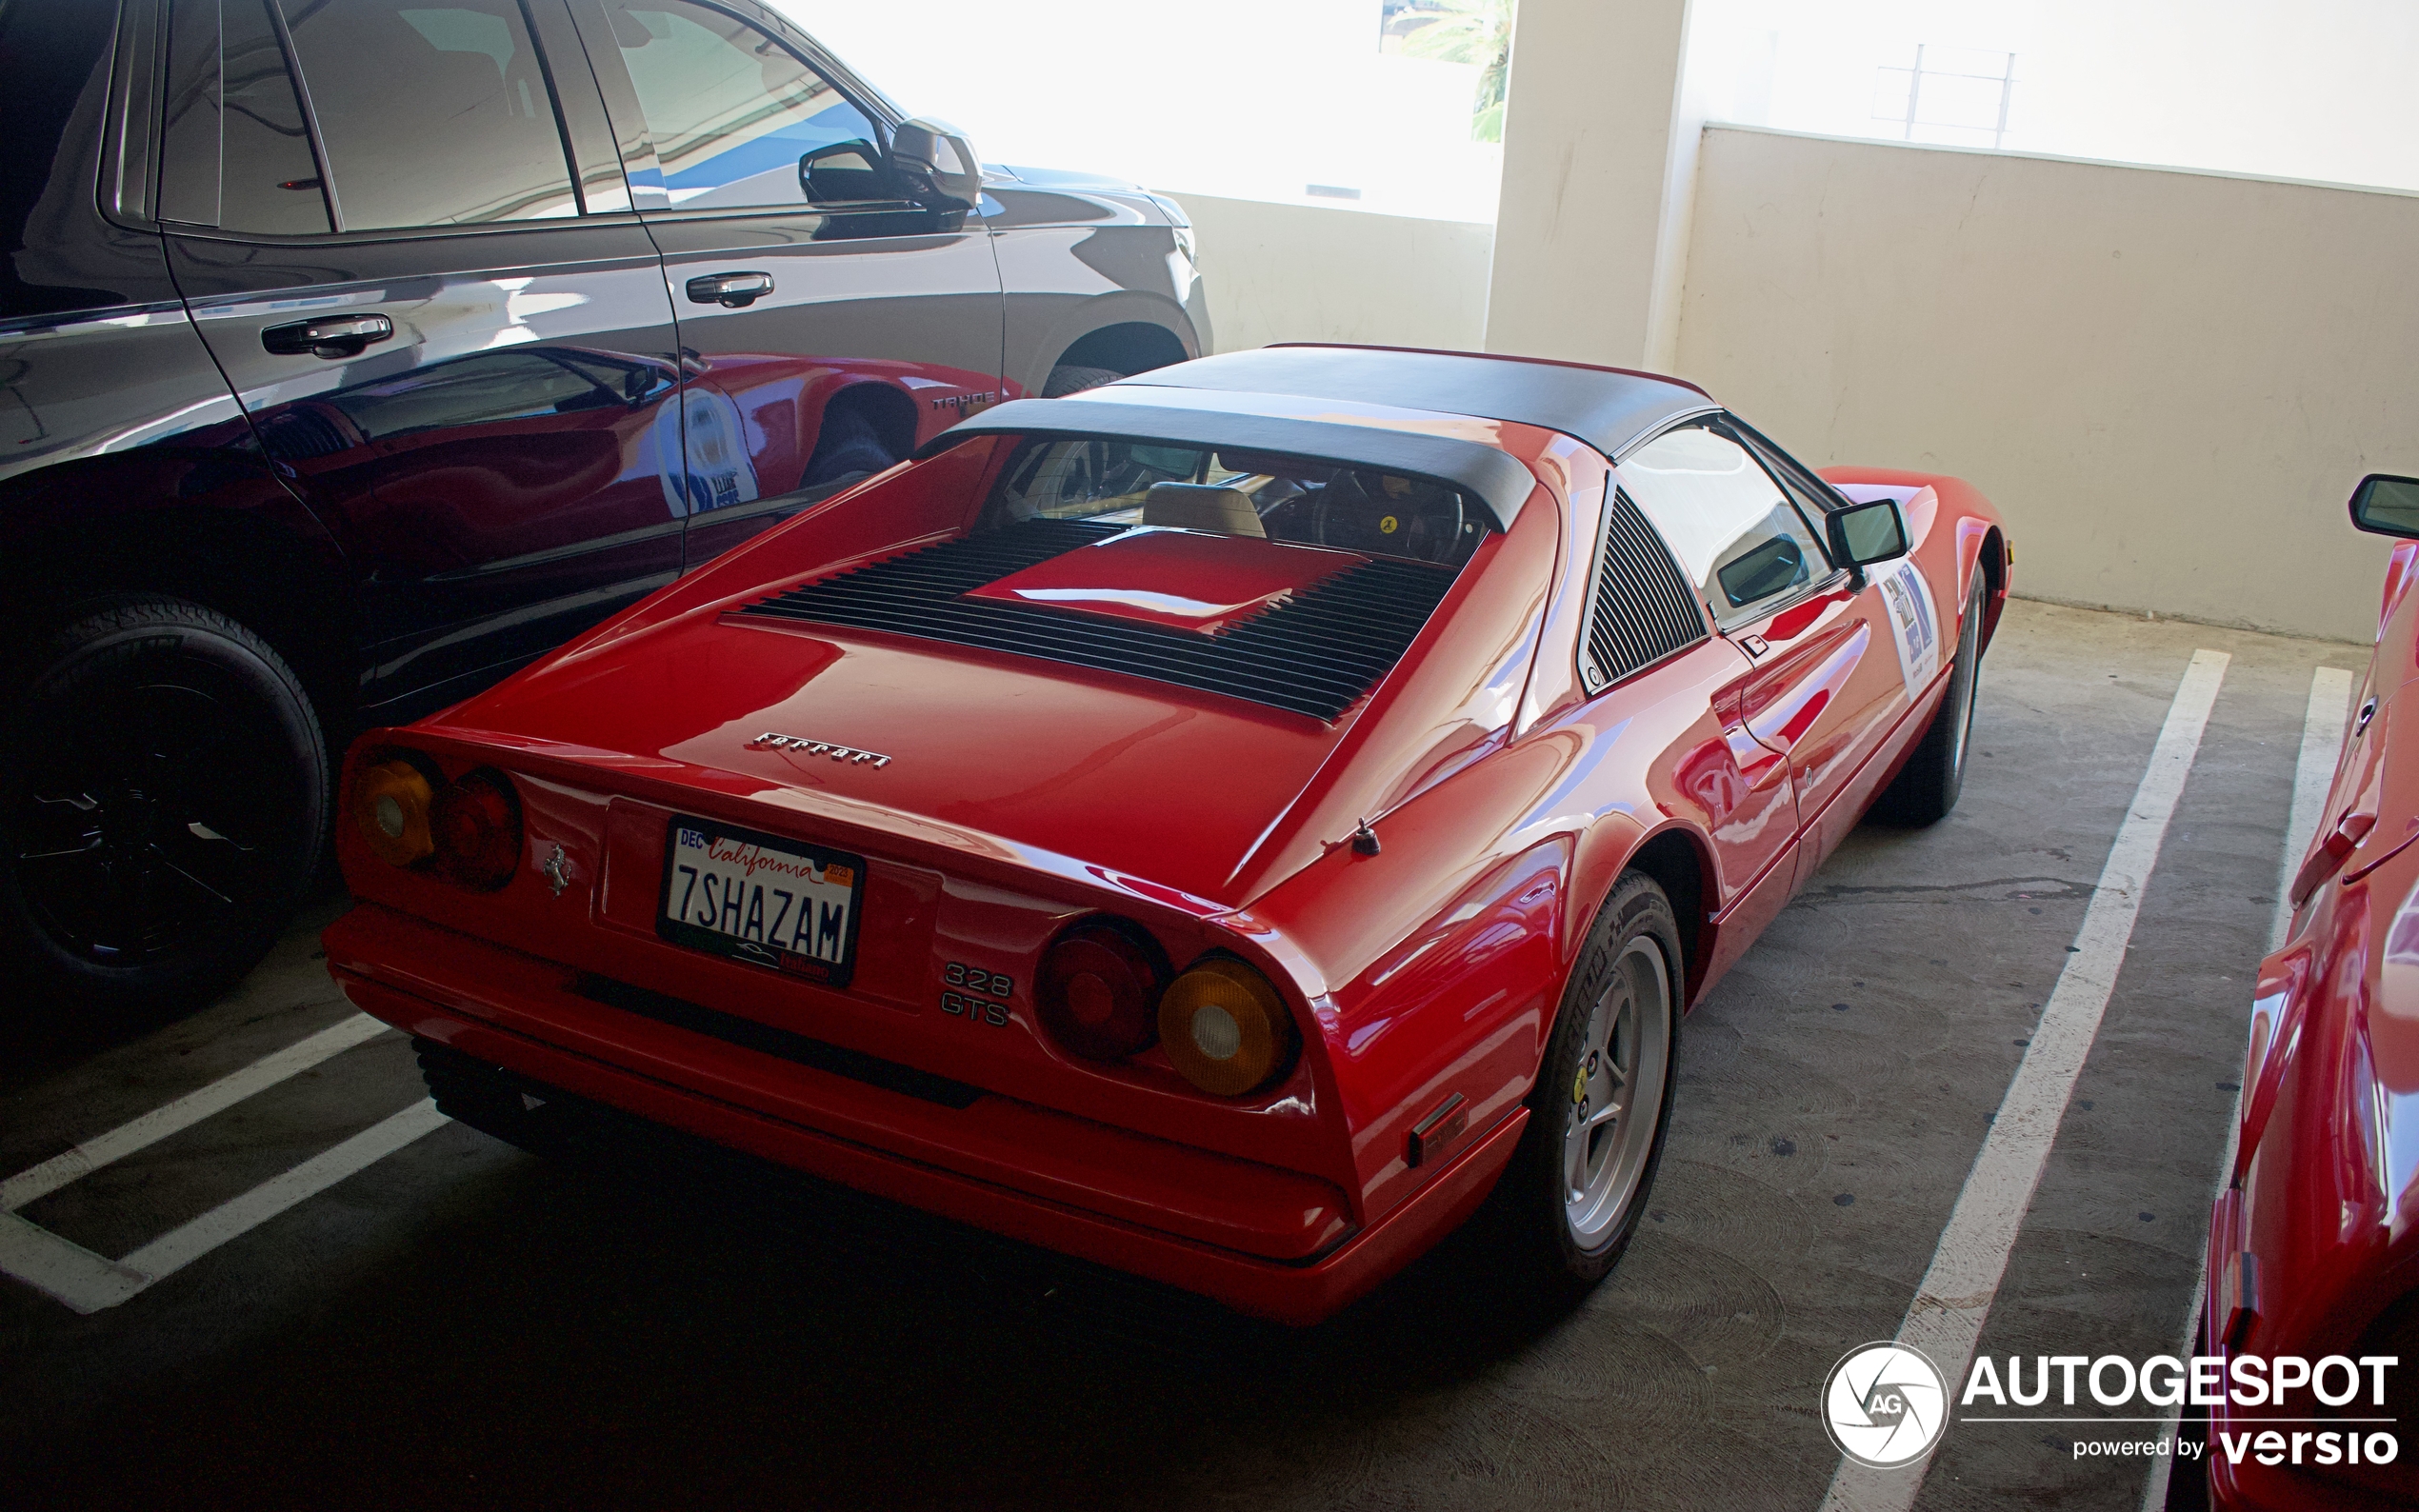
(476, 825)
(390, 804)
(1226, 1028)
(468, 832)
(1104, 993)
(1098, 990)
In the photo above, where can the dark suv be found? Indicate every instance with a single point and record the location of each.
(356, 351)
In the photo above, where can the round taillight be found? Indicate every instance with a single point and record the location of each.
(1226, 1029)
(391, 804)
(1097, 990)
(476, 824)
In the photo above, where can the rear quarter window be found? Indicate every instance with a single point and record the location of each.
(55, 57)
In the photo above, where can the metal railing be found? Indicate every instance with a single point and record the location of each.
(1911, 116)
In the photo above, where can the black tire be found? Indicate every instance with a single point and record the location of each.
(1066, 380)
(1926, 788)
(846, 449)
(164, 795)
(1534, 1201)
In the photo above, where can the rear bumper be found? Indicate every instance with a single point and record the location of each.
(1226, 1228)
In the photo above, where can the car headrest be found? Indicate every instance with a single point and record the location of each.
(1201, 506)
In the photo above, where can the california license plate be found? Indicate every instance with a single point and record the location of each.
(761, 898)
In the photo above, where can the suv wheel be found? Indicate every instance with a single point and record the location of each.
(164, 787)
(1065, 380)
(849, 447)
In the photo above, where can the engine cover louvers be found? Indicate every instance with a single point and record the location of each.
(1317, 654)
(1643, 609)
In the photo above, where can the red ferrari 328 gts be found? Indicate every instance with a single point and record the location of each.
(1225, 825)
(2314, 1242)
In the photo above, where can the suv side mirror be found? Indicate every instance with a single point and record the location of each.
(843, 173)
(939, 163)
(1865, 533)
(2386, 505)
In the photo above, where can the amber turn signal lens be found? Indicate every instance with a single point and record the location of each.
(390, 804)
(476, 824)
(1096, 989)
(1224, 1027)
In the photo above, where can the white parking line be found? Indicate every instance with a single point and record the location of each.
(2313, 773)
(69, 1273)
(173, 1251)
(1955, 1296)
(62, 1270)
(68, 1166)
(87, 1283)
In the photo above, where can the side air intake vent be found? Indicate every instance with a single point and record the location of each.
(1645, 609)
(1316, 654)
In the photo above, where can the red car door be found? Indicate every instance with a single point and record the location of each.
(1828, 685)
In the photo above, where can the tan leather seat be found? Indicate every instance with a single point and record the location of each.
(1201, 506)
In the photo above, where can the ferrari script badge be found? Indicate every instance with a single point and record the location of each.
(819, 747)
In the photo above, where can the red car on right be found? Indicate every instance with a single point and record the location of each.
(2313, 1273)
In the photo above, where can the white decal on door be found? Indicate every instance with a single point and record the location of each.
(712, 470)
(1912, 624)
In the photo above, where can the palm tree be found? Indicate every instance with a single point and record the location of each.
(1470, 31)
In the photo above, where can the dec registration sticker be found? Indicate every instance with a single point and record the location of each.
(761, 898)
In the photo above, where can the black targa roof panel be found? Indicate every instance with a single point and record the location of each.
(1500, 482)
(1607, 411)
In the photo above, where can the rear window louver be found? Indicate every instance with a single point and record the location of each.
(1316, 654)
(1644, 610)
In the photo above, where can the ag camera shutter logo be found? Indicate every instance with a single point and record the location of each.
(1884, 1405)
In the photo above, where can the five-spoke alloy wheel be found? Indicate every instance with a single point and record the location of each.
(1571, 1197)
(1616, 1095)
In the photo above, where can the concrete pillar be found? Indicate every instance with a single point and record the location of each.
(1600, 146)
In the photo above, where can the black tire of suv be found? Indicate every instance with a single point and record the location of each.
(846, 449)
(164, 796)
(1529, 1208)
(1926, 788)
(1066, 380)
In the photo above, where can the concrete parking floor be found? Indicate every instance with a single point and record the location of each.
(460, 1324)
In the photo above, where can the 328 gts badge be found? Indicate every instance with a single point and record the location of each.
(967, 1004)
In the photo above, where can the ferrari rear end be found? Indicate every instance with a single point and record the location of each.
(910, 846)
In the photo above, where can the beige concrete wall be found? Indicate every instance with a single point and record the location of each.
(1295, 272)
(2168, 381)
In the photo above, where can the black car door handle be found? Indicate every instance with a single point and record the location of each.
(329, 336)
(730, 290)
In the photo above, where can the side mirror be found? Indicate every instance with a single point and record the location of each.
(843, 173)
(939, 163)
(2386, 505)
(1863, 534)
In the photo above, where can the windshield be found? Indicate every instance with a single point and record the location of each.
(1263, 495)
